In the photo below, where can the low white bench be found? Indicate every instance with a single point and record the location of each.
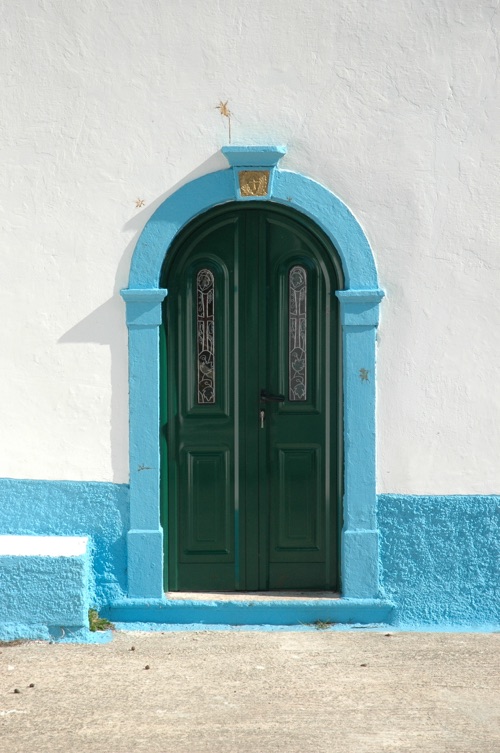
(44, 586)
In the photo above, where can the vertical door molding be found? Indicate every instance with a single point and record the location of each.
(144, 539)
(359, 304)
(359, 316)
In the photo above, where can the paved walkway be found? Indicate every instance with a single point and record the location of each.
(254, 692)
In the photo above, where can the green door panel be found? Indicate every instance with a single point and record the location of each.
(297, 519)
(206, 518)
(251, 488)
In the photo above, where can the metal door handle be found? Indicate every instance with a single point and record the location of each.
(268, 397)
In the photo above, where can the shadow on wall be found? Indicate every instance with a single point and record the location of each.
(106, 324)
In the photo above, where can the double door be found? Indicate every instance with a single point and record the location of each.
(250, 414)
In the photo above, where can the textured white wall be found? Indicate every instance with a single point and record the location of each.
(392, 104)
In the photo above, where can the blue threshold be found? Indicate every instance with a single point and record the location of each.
(261, 611)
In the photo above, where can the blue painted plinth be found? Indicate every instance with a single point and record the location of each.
(44, 586)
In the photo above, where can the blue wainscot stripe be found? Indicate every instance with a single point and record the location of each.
(289, 612)
(439, 565)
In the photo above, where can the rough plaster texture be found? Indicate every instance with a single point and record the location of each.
(440, 559)
(51, 591)
(97, 510)
(392, 105)
(44, 585)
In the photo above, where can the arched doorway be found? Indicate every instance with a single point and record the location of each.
(250, 389)
(359, 304)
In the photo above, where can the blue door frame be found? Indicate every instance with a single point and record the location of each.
(359, 307)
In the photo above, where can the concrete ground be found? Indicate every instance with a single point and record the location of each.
(253, 692)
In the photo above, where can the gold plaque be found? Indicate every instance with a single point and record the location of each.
(254, 182)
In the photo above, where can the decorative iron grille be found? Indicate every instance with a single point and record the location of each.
(297, 334)
(205, 328)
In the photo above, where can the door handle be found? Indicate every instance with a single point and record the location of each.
(268, 397)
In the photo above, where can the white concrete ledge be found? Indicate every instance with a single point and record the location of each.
(43, 546)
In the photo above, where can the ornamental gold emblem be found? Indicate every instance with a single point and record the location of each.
(254, 182)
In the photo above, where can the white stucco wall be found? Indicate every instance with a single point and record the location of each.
(392, 104)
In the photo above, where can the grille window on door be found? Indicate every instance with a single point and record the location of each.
(205, 334)
(297, 334)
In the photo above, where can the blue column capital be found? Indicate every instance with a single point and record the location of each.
(359, 308)
(143, 306)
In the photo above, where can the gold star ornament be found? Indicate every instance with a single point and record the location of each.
(224, 110)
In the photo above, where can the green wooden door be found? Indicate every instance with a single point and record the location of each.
(251, 404)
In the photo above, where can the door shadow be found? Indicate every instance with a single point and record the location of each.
(106, 324)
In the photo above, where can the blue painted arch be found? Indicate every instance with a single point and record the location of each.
(359, 312)
(293, 189)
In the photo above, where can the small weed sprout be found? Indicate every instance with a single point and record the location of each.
(98, 623)
(323, 624)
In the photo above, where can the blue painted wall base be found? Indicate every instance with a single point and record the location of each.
(73, 508)
(438, 564)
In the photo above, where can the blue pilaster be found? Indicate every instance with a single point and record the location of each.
(359, 314)
(145, 538)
